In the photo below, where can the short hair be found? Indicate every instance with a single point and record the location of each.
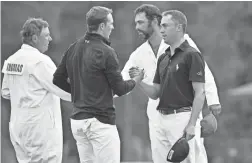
(178, 17)
(150, 11)
(32, 26)
(95, 16)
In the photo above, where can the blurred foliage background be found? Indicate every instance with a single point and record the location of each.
(222, 31)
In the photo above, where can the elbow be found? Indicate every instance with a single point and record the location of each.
(155, 94)
(5, 94)
(152, 95)
(123, 88)
(119, 92)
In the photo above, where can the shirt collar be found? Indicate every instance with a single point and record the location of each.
(96, 36)
(182, 46)
(26, 46)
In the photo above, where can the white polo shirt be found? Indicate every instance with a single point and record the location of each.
(144, 57)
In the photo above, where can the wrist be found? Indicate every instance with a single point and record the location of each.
(135, 80)
(192, 123)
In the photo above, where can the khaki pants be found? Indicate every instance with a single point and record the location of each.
(96, 141)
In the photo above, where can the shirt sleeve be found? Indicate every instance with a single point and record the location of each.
(196, 67)
(43, 72)
(157, 76)
(130, 63)
(60, 76)
(210, 88)
(115, 79)
(5, 88)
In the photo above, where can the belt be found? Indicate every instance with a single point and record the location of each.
(167, 111)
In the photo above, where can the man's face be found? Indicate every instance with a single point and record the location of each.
(169, 29)
(143, 26)
(109, 26)
(43, 40)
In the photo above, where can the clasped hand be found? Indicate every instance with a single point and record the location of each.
(136, 74)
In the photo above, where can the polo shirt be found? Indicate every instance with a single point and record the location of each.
(175, 75)
(93, 69)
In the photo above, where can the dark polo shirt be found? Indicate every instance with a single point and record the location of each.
(93, 69)
(175, 75)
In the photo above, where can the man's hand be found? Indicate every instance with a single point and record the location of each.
(189, 132)
(136, 74)
(216, 109)
(134, 71)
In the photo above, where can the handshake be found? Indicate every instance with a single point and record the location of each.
(136, 73)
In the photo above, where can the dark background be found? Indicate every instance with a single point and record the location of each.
(222, 31)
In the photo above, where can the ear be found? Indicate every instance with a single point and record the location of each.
(34, 38)
(155, 21)
(179, 27)
(102, 26)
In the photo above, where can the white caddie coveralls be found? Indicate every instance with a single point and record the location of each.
(144, 57)
(35, 123)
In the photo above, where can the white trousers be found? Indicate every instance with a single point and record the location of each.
(35, 138)
(96, 141)
(167, 130)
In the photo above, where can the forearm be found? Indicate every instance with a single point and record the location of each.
(149, 90)
(123, 87)
(125, 75)
(198, 103)
(61, 94)
(58, 91)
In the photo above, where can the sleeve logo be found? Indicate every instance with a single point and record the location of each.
(200, 73)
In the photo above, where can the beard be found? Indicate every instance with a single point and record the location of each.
(145, 34)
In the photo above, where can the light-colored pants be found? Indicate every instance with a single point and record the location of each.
(168, 129)
(35, 138)
(96, 141)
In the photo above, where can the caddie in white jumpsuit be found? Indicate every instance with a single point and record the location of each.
(35, 123)
(146, 56)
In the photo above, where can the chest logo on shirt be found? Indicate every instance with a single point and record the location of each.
(13, 68)
(177, 67)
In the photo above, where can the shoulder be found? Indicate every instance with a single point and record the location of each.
(100, 46)
(142, 48)
(139, 52)
(192, 52)
(193, 56)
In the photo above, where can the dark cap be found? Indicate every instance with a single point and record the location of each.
(179, 151)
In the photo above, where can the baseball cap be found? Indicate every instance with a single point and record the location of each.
(179, 151)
